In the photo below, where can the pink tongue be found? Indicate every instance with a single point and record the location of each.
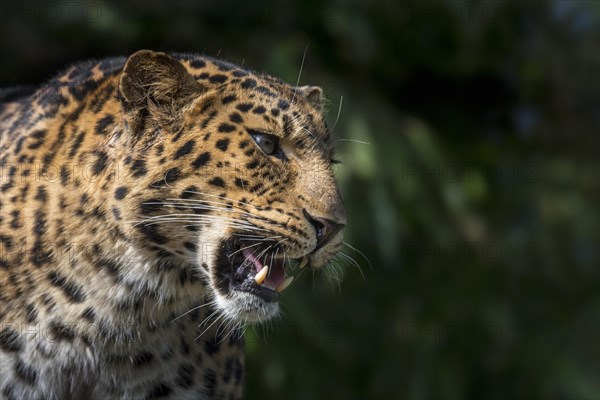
(276, 274)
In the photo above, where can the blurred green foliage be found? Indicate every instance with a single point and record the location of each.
(474, 200)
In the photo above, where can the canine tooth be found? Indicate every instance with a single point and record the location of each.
(261, 275)
(285, 284)
(303, 262)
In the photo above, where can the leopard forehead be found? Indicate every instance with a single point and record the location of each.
(263, 103)
(231, 103)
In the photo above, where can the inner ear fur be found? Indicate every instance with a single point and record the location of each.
(155, 79)
(312, 94)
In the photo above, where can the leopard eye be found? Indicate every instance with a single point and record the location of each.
(269, 144)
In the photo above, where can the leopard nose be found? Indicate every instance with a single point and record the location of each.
(324, 228)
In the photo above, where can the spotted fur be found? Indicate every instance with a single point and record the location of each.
(124, 183)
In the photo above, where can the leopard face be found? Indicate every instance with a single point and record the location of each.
(228, 170)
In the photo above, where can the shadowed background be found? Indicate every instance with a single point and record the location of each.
(469, 139)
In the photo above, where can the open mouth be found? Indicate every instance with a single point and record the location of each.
(261, 272)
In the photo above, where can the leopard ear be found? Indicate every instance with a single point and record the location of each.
(154, 83)
(312, 94)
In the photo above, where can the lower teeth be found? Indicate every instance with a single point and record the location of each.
(285, 284)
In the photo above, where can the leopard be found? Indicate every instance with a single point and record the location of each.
(152, 207)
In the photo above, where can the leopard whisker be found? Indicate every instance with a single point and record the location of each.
(208, 203)
(300, 73)
(193, 206)
(190, 205)
(338, 113)
(359, 252)
(244, 248)
(192, 309)
(236, 327)
(256, 237)
(213, 195)
(195, 217)
(273, 238)
(230, 224)
(220, 316)
(216, 313)
(263, 252)
(225, 321)
(249, 215)
(351, 261)
(337, 272)
(354, 141)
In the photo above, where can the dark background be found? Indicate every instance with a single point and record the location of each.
(475, 200)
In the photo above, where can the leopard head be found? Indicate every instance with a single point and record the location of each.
(233, 173)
